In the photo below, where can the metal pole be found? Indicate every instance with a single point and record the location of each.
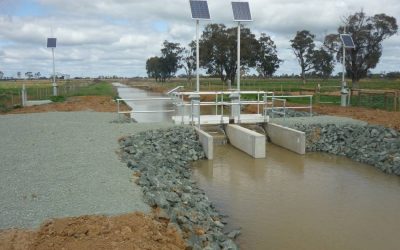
(343, 96)
(343, 66)
(54, 76)
(238, 57)
(197, 57)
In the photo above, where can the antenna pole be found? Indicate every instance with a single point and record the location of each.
(54, 76)
(344, 91)
(197, 57)
(238, 57)
(344, 60)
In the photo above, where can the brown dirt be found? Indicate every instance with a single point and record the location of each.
(372, 116)
(76, 103)
(129, 231)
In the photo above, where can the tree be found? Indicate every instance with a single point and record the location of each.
(37, 75)
(170, 59)
(303, 47)
(29, 75)
(218, 45)
(323, 63)
(188, 60)
(1, 74)
(367, 32)
(153, 68)
(19, 75)
(267, 60)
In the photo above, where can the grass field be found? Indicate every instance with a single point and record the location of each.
(10, 92)
(281, 84)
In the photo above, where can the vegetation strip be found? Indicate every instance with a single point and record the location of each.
(161, 160)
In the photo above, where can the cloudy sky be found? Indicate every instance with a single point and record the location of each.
(115, 37)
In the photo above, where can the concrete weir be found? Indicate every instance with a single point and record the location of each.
(246, 140)
(254, 143)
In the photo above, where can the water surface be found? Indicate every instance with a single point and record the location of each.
(316, 201)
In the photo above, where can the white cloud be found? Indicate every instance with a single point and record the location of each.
(117, 36)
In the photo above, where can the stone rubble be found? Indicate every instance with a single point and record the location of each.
(371, 144)
(161, 160)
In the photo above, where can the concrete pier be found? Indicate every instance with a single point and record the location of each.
(207, 141)
(285, 137)
(246, 140)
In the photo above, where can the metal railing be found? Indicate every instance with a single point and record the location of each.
(131, 112)
(265, 101)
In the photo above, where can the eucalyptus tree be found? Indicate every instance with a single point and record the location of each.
(218, 45)
(367, 32)
(267, 60)
(303, 47)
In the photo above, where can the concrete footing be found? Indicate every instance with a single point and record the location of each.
(207, 141)
(246, 140)
(285, 137)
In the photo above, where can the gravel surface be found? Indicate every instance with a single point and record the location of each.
(64, 164)
(321, 119)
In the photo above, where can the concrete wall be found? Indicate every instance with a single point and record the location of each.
(246, 140)
(207, 141)
(288, 138)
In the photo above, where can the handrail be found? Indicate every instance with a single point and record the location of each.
(174, 89)
(145, 99)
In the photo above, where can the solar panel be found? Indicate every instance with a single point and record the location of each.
(347, 41)
(199, 9)
(51, 42)
(241, 11)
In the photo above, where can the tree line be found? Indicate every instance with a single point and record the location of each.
(218, 46)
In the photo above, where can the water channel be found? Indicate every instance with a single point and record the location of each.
(316, 201)
(289, 201)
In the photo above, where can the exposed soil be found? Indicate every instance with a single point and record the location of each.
(129, 231)
(76, 103)
(372, 116)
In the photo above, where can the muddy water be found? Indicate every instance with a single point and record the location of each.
(317, 201)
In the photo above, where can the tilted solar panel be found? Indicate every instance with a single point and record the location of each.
(347, 41)
(241, 11)
(51, 42)
(199, 9)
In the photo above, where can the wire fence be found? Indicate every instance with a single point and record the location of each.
(11, 98)
(386, 100)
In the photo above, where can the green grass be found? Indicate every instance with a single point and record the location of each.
(96, 89)
(10, 92)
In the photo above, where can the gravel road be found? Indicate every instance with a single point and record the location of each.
(64, 164)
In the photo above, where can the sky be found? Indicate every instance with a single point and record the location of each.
(116, 37)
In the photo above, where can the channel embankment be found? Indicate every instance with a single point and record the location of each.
(161, 161)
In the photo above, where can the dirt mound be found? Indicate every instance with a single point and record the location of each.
(129, 231)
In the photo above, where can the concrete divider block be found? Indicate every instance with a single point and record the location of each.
(288, 138)
(246, 140)
(207, 141)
